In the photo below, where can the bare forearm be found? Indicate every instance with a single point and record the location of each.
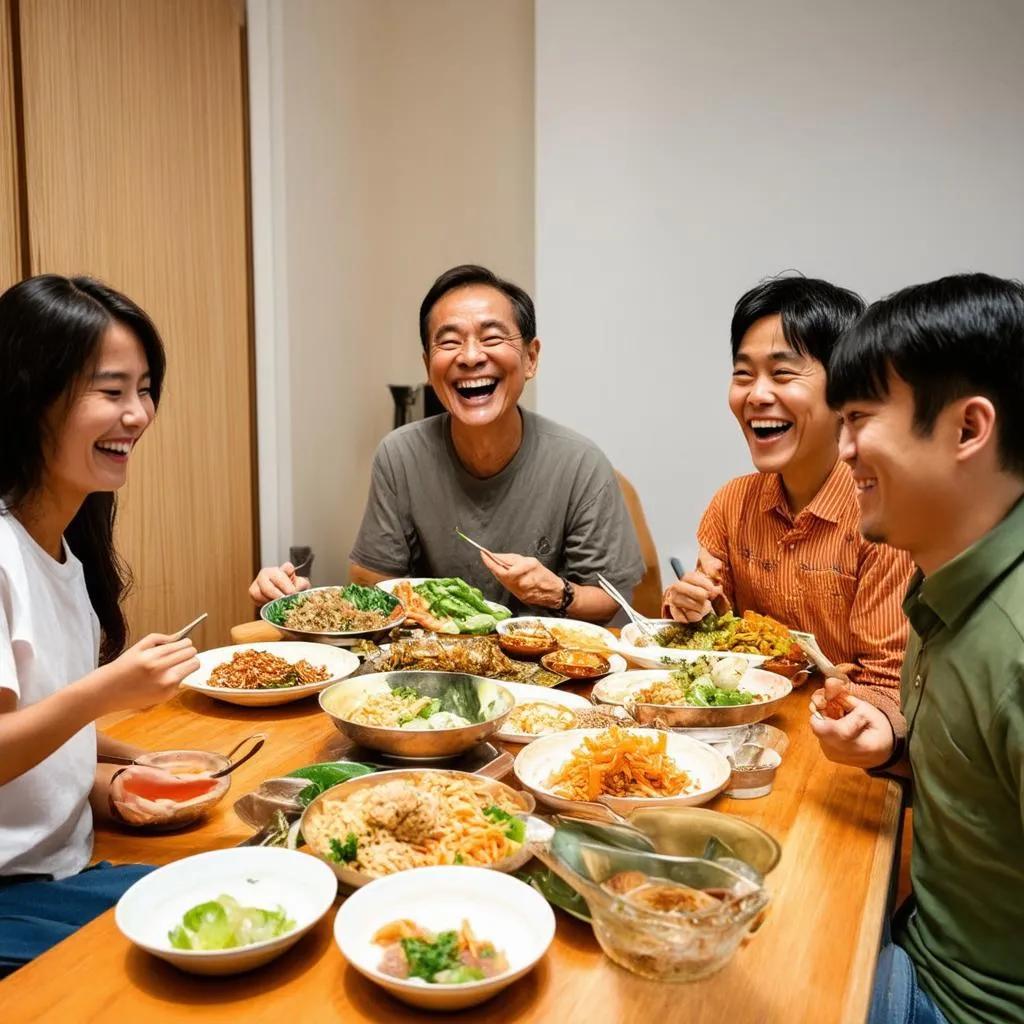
(592, 604)
(99, 798)
(115, 748)
(31, 734)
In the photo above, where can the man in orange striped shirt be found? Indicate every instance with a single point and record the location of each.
(786, 541)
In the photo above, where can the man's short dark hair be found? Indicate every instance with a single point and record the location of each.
(470, 274)
(948, 339)
(814, 313)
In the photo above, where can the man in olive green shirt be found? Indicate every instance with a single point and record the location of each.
(930, 385)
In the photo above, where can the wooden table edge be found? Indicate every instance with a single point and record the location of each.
(876, 906)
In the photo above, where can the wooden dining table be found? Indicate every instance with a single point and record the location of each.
(812, 960)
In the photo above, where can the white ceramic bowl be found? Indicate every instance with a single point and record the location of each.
(339, 662)
(658, 657)
(525, 693)
(256, 876)
(708, 768)
(500, 908)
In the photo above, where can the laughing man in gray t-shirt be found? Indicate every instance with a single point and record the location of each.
(540, 496)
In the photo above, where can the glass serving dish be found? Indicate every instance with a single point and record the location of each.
(152, 812)
(664, 945)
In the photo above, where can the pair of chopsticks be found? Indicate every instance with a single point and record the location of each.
(720, 606)
(640, 621)
(480, 547)
(185, 630)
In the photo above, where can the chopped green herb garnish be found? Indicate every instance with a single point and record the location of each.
(515, 827)
(344, 852)
(426, 959)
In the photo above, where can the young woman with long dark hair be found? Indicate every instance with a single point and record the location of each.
(81, 370)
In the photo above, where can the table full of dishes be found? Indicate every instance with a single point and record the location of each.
(403, 803)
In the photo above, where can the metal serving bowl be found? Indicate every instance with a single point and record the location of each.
(484, 702)
(337, 638)
(344, 791)
(682, 716)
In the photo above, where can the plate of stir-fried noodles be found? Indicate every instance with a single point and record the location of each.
(259, 675)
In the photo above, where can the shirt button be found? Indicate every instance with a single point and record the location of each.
(917, 681)
(792, 547)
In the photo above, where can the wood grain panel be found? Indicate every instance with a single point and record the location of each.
(812, 961)
(10, 257)
(136, 173)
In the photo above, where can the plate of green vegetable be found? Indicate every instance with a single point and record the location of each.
(446, 605)
(226, 911)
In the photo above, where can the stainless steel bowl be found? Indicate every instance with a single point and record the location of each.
(683, 716)
(484, 702)
(336, 639)
(346, 790)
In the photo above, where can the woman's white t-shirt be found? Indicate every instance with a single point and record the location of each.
(49, 637)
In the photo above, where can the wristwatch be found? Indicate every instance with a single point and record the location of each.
(568, 596)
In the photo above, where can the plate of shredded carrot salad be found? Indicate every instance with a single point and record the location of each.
(623, 768)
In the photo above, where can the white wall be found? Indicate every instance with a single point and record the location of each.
(687, 148)
(392, 139)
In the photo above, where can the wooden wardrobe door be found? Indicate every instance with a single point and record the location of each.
(10, 255)
(136, 173)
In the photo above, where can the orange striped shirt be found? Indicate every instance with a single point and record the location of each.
(813, 572)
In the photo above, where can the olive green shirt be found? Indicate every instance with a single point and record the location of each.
(963, 698)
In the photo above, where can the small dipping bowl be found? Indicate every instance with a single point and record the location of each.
(521, 643)
(753, 771)
(184, 763)
(577, 664)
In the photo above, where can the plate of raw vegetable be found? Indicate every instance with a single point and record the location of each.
(446, 605)
(335, 615)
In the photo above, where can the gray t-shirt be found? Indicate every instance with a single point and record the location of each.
(557, 500)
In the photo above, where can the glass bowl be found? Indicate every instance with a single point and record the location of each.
(165, 815)
(675, 945)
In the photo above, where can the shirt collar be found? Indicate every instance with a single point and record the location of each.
(834, 497)
(953, 591)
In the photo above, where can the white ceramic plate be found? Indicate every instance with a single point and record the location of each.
(517, 919)
(256, 876)
(339, 662)
(657, 657)
(707, 767)
(389, 587)
(525, 693)
(560, 627)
